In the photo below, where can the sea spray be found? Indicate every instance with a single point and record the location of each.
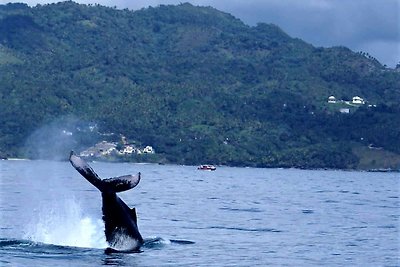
(63, 223)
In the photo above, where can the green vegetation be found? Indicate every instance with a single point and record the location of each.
(195, 83)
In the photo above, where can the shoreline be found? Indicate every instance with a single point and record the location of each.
(380, 170)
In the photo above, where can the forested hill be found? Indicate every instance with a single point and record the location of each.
(195, 83)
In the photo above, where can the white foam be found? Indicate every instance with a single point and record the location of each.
(123, 242)
(65, 224)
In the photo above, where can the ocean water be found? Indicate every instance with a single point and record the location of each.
(51, 216)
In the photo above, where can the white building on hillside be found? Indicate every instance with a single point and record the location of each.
(358, 100)
(332, 99)
(129, 150)
(148, 150)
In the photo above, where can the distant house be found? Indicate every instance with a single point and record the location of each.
(105, 148)
(358, 100)
(129, 150)
(148, 150)
(332, 99)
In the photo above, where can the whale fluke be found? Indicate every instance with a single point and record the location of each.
(115, 184)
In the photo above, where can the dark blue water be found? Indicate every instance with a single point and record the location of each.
(51, 216)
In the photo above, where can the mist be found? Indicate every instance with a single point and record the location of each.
(55, 140)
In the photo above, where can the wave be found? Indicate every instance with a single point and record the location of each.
(27, 247)
(272, 230)
(156, 242)
(242, 210)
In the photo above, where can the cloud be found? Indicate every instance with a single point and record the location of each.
(372, 26)
(367, 25)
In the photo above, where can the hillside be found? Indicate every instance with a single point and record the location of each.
(195, 83)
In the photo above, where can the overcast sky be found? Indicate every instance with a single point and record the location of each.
(371, 26)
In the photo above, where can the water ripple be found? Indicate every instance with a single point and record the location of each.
(243, 210)
(271, 230)
(307, 211)
(391, 226)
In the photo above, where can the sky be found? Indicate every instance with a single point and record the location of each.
(371, 26)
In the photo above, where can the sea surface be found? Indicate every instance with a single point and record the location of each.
(51, 216)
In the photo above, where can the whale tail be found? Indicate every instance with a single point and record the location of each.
(110, 185)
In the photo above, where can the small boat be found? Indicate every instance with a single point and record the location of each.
(207, 168)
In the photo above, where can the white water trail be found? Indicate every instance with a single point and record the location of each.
(63, 223)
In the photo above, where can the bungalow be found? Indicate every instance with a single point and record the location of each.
(331, 99)
(148, 150)
(358, 100)
(129, 150)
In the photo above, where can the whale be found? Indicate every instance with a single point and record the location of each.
(120, 221)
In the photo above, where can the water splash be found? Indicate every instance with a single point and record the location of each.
(122, 242)
(63, 223)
